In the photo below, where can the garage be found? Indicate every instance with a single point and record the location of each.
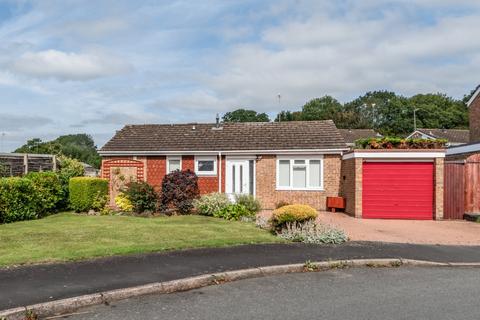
(393, 183)
(398, 190)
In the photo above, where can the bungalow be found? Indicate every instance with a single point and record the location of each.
(455, 137)
(294, 162)
(278, 162)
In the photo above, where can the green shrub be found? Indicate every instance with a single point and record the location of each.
(48, 189)
(68, 168)
(210, 203)
(233, 212)
(18, 200)
(85, 191)
(142, 196)
(292, 213)
(249, 202)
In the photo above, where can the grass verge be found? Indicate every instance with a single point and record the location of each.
(67, 236)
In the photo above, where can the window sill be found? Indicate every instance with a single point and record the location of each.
(206, 174)
(299, 189)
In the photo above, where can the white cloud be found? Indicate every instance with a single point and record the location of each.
(69, 65)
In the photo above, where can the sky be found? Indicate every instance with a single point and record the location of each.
(94, 66)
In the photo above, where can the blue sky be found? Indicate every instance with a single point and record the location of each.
(93, 66)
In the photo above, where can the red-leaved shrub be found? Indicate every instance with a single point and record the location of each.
(179, 189)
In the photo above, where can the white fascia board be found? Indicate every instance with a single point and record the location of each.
(231, 152)
(477, 92)
(395, 155)
(422, 133)
(475, 147)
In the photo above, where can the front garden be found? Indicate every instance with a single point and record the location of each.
(142, 219)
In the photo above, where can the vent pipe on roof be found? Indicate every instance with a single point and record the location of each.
(217, 124)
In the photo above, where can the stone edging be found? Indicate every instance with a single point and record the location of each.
(69, 305)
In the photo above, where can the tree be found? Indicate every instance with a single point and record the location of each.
(76, 146)
(289, 116)
(244, 115)
(325, 108)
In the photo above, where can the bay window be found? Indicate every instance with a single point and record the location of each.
(300, 173)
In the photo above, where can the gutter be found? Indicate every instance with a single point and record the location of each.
(224, 152)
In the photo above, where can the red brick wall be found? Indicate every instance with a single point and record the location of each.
(206, 184)
(474, 116)
(268, 195)
(156, 170)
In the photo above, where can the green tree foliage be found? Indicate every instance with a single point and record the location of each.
(386, 112)
(77, 146)
(244, 115)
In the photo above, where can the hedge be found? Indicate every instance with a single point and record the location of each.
(84, 191)
(48, 189)
(18, 200)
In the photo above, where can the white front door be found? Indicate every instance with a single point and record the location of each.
(237, 177)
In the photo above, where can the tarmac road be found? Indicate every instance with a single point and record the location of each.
(356, 293)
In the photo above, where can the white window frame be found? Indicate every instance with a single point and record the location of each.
(307, 163)
(173, 158)
(206, 158)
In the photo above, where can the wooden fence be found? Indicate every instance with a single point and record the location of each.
(462, 188)
(19, 164)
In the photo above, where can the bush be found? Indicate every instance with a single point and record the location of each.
(68, 168)
(123, 203)
(249, 202)
(84, 193)
(292, 213)
(18, 200)
(208, 204)
(400, 143)
(233, 212)
(310, 232)
(48, 189)
(141, 195)
(179, 189)
(281, 203)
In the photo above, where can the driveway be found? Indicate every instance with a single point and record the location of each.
(359, 293)
(405, 231)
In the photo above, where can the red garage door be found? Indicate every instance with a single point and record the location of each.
(398, 190)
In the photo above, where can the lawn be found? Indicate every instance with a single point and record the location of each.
(67, 236)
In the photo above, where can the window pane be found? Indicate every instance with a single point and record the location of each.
(299, 177)
(284, 173)
(315, 173)
(174, 165)
(205, 165)
(299, 161)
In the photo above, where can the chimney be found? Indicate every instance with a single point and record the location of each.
(218, 121)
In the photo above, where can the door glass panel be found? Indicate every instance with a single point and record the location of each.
(241, 179)
(233, 179)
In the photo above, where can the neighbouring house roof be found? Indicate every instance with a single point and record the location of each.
(351, 135)
(474, 96)
(292, 135)
(454, 136)
(465, 149)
